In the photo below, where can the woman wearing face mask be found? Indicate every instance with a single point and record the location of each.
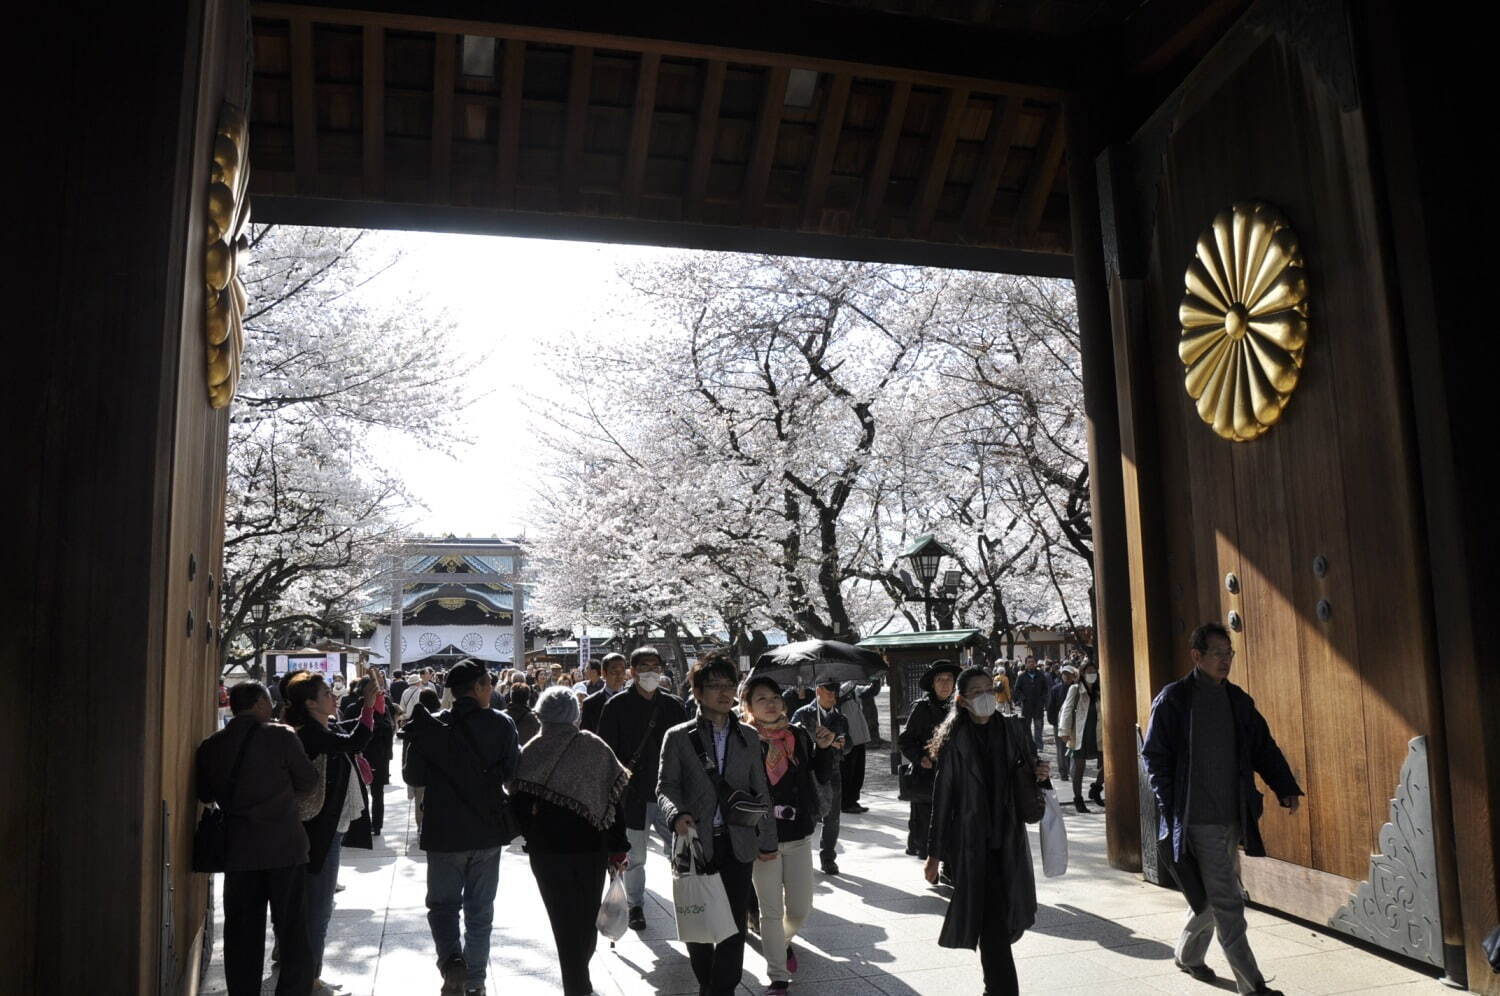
(1079, 728)
(987, 778)
(921, 724)
(784, 885)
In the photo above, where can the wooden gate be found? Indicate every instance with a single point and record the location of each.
(1306, 539)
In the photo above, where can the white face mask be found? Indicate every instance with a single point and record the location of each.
(983, 704)
(1092, 679)
(648, 681)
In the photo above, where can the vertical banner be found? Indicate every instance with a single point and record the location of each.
(585, 651)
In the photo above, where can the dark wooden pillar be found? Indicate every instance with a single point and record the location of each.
(1427, 79)
(1112, 609)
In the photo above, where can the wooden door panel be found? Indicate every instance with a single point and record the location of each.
(1344, 693)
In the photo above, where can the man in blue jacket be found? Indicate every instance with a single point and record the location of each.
(1205, 744)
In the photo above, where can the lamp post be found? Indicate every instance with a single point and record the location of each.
(925, 555)
(260, 612)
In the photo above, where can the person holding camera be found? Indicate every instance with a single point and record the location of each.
(713, 780)
(795, 763)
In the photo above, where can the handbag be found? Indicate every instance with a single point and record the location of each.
(211, 838)
(311, 804)
(614, 912)
(740, 808)
(1054, 834)
(1025, 790)
(702, 906)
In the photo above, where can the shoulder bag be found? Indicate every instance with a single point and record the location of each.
(739, 807)
(211, 838)
(1030, 803)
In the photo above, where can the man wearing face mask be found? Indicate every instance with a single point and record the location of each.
(633, 723)
(929, 711)
(1079, 726)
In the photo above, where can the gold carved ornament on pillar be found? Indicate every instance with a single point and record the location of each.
(228, 224)
(1244, 320)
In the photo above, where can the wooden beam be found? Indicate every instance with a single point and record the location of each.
(758, 170)
(703, 141)
(997, 143)
(1049, 151)
(577, 118)
(1039, 67)
(442, 116)
(304, 108)
(830, 127)
(508, 139)
(885, 155)
(373, 119)
(940, 155)
(640, 130)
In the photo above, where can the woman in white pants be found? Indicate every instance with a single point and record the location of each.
(784, 886)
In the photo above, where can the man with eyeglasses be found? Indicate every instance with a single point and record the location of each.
(1206, 743)
(633, 723)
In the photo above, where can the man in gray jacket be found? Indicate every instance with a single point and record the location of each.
(717, 747)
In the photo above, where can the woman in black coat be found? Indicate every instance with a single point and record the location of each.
(311, 710)
(987, 778)
(921, 724)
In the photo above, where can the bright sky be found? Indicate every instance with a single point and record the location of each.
(508, 296)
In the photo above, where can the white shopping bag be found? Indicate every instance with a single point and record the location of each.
(1054, 833)
(703, 913)
(614, 913)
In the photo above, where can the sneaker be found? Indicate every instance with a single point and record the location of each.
(1200, 972)
(637, 918)
(455, 974)
(791, 960)
(778, 987)
(830, 866)
(340, 887)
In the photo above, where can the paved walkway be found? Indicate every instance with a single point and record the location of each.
(872, 933)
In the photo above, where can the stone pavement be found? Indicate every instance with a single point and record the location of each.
(872, 933)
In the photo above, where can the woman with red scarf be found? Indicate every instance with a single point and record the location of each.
(784, 885)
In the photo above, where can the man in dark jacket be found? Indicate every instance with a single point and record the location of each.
(1030, 693)
(1206, 743)
(824, 712)
(852, 699)
(463, 757)
(921, 723)
(267, 859)
(1058, 694)
(613, 668)
(633, 723)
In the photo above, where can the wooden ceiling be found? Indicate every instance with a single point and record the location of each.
(409, 120)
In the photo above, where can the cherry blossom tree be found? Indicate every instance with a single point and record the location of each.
(326, 364)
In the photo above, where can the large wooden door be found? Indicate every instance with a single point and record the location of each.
(1309, 537)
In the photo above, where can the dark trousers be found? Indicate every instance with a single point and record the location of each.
(828, 842)
(717, 966)
(1077, 763)
(916, 826)
(377, 807)
(572, 886)
(854, 775)
(246, 896)
(994, 935)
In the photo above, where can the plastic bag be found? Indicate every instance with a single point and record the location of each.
(1054, 833)
(703, 913)
(614, 913)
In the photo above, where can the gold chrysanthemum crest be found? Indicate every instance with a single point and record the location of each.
(228, 223)
(1244, 320)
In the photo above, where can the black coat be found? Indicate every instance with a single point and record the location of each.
(592, 710)
(915, 735)
(1168, 756)
(340, 741)
(264, 831)
(382, 745)
(1057, 692)
(809, 717)
(623, 725)
(1030, 689)
(463, 808)
(959, 833)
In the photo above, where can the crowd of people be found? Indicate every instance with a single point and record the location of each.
(588, 768)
